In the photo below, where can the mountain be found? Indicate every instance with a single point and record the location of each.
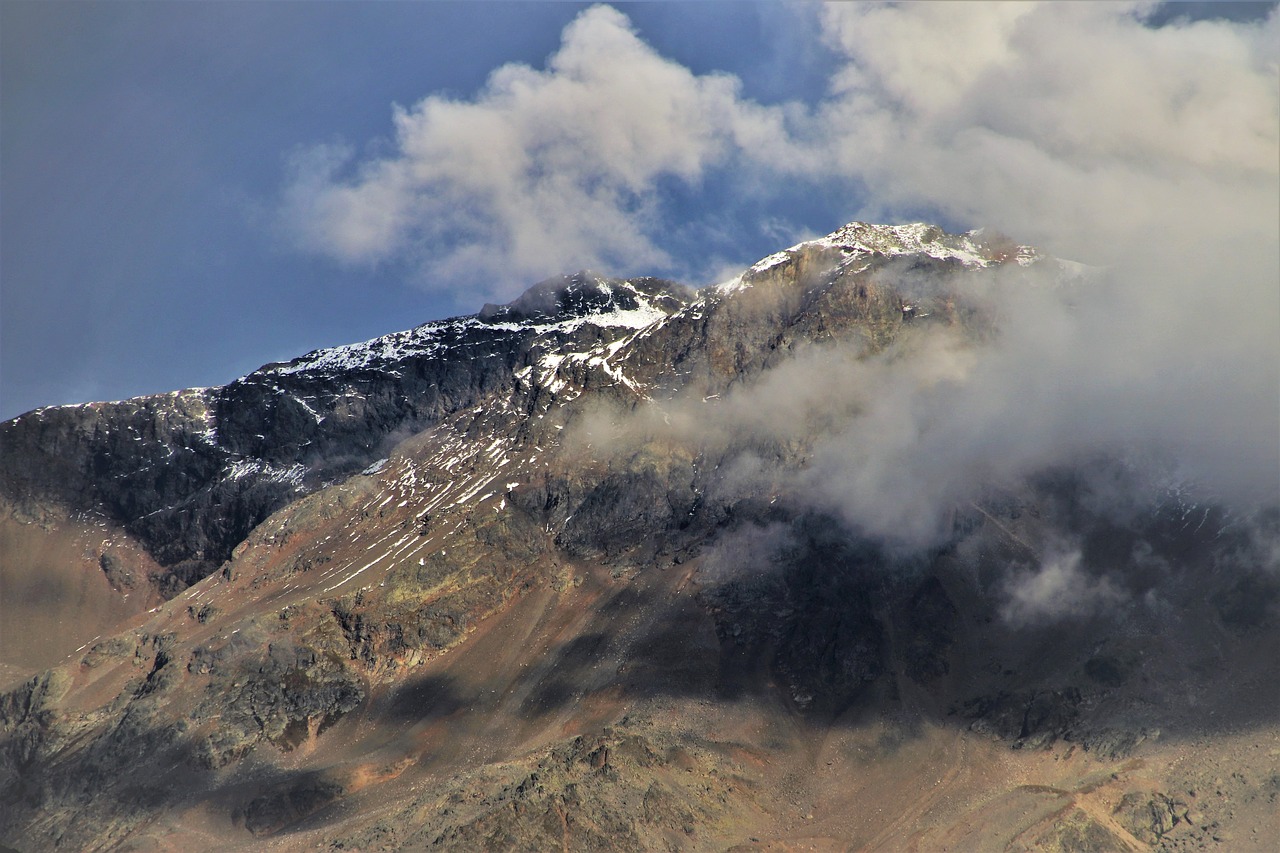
(571, 572)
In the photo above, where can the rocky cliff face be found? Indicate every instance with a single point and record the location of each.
(544, 576)
(190, 474)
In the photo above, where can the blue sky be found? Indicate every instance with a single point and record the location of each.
(190, 190)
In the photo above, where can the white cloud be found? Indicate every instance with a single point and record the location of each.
(544, 171)
(1072, 125)
(1155, 151)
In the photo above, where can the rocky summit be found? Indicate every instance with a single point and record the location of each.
(574, 573)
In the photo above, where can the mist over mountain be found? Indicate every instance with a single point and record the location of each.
(899, 539)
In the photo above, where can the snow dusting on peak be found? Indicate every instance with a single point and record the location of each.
(589, 297)
(559, 305)
(916, 238)
(973, 249)
(423, 340)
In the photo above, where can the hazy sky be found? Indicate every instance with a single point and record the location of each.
(190, 190)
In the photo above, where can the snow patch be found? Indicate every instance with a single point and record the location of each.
(293, 475)
(435, 339)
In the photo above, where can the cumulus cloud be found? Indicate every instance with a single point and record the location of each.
(543, 171)
(1071, 125)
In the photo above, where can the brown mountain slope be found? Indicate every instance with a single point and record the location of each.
(583, 612)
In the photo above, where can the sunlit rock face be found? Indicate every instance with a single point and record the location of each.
(577, 572)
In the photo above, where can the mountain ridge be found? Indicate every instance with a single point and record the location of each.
(252, 434)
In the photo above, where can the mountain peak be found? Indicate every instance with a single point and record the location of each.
(558, 304)
(974, 249)
(586, 294)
